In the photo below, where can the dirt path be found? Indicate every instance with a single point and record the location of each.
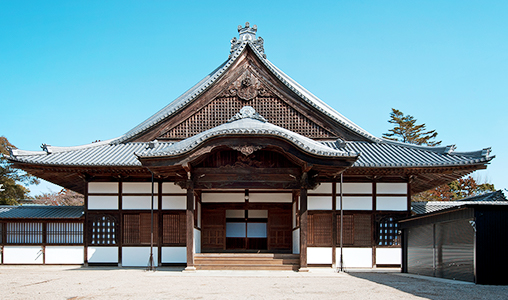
(57, 282)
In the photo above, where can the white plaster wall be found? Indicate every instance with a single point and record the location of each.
(139, 202)
(174, 254)
(391, 188)
(103, 254)
(296, 241)
(102, 202)
(222, 197)
(319, 202)
(65, 254)
(137, 256)
(172, 188)
(355, 203)
(356, 257)
(323, 188)
(294, 214)
(235, 213)
(199, 214)
(103, 187)
(271, 197)
(22, 255)
(197, 241)
(356, 187)
(257, 213)
(139, 187)
(391, 203)
(174, 202)
(319, 255)
(388, 256)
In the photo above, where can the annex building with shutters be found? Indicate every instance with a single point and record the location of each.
(246, 166)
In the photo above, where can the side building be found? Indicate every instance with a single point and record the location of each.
(247, 161)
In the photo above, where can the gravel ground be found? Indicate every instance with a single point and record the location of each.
(72, 282)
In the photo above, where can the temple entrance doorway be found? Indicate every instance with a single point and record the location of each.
(247, 227)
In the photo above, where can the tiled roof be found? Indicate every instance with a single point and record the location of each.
(211, 78)
(43, 212)
(379, 155)
(425, 207)
(394, 154)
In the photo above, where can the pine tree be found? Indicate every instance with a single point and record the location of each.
(11, 178)
(407, 131)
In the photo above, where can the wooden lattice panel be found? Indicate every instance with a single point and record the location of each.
(137, 229)
(220, 110)
(174, 229)
(363, 230)
(347, 233)
(320, 229)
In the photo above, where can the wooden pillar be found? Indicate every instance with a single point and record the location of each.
(303, 230)
(85, 225)
(190, 229)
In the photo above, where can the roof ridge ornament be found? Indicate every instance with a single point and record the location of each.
(247, 34)
(247, 112)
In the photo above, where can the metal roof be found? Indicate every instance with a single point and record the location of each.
(247, 122)
(425, 207)
(43, 212)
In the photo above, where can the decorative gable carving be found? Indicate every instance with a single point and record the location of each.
(221, 109)
(247, 87)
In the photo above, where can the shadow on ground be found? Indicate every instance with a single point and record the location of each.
(432, 288)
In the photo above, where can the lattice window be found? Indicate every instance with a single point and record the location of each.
(64, 233)
(319, 230)
(357, 230)
(387, 232)
(174, 230)
(103, 230)
(137, 229)
(24, 233)
(220, 110)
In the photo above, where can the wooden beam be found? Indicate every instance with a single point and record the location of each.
(190, 229)
(303, 230)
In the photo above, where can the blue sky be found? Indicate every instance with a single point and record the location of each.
(73, 72)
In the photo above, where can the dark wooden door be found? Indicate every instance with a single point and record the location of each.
(213, 229)
(279, 230)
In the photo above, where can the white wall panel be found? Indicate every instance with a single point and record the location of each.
(388, 256)
(296, 241)
(271, 197)
(391, 203)
(174, 202)
(235, 213)
(139, 202)
(174, 254)
(139, 187)
(319, 202)
(223, 197)
(323, 188)
(319, 255)
(257, 213)
(103, 254)
(138, 256)
(355, 203)
(172, 188)
(391, 188)
(103, 187)
(22, 255)
(102, 202)
(356, 187)
(356, 257)
(197, 241)
(65, 254)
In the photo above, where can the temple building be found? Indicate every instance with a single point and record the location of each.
(246, 169)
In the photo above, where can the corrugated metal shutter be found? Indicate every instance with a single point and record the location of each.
(455, 250)
(420, 250)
